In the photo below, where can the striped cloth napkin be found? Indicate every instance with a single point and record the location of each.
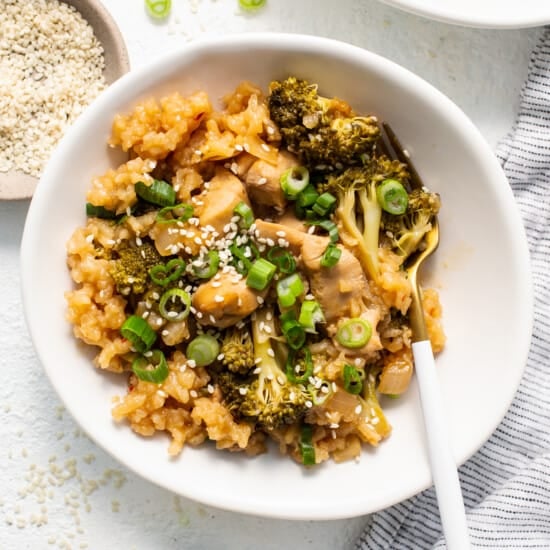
(506, 485)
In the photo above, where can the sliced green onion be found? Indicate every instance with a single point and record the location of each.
(354, 333)
(138, 332)
(289, 289)
(392, 197)
(307, 197)
(299, 372)
(251, 5)
(307, 450)
(99, 212)
(206, 267)
(245, 212)
(292, 330)
(182, 213)
(331, 256)
(353, 379)
(320, 393)
(282, 258)
(175, 304)
(164, 274)
(203, 350)
(324, 204)
(310, 314)
(241, 260)
(151, 369)
(159, 192)
(294, 181)
(159, 9)
(260, 274)
(330, 227)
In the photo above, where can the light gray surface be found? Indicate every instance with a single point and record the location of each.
(52, 474)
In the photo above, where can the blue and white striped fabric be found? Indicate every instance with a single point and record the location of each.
(506, 485)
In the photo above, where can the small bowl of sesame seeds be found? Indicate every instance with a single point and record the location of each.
(56, 58)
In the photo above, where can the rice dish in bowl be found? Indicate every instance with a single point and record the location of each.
(393, 95)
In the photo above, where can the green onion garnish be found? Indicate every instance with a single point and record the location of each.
(324, 204)
(241, 260)
(138, 332)
(292, 330)
(251, 5)
(310, 314)
(99, 212)
(175, 304)
(299, 372)
(282, 258)
(294, 180)
(354, 333)
(164, 274)
(392, 197)
(330, 227)
(151, 369)
(159, 9)
(205, 267)
(173, 214)
(159, 192)
(307, 197)
(307, 450)
(353, 379)
(260, 274)
(320, 393)
(289, 289)
(331, 256)
(203, 350)
(245, 212)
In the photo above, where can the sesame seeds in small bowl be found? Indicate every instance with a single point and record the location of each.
(56, 58)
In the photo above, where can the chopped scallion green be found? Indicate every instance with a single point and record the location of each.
(159, 9)
(353, 379)
(331, 256)
(153, 368)
(310, 314)
(164, 274)
(260, 274)
(245, 212)
(294, 181)
(354, 333)
(392, 197)
(159, 192)
(203, 350)
(289, 289)
(138, 332)
(175, 304)
(173, 214)
(205, 267)
(307, 450)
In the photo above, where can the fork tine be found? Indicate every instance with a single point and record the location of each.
(393, 146)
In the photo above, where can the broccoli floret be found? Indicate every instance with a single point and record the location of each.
(237, 350)
(267, 397)
(324, 132)
(358, 209)
(405, 232)
(376, 426)
(130, 269)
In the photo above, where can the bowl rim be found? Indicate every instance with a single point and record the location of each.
(498, 19)
(284, 42)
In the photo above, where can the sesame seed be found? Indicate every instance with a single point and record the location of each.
(309, 404)
(358, 409)
(193, 393)
(243, 390)
(262, 181)
(270, 352)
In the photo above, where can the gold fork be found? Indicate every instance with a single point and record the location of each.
(443, 464)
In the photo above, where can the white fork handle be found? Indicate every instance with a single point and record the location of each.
(443, 464)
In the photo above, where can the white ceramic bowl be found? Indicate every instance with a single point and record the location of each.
(481, 269)
(495, 14)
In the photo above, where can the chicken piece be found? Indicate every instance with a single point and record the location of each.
(225, 300)
(275, 231)
(224, 192)
(289, 220)
(341, 289)
(263, 180)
